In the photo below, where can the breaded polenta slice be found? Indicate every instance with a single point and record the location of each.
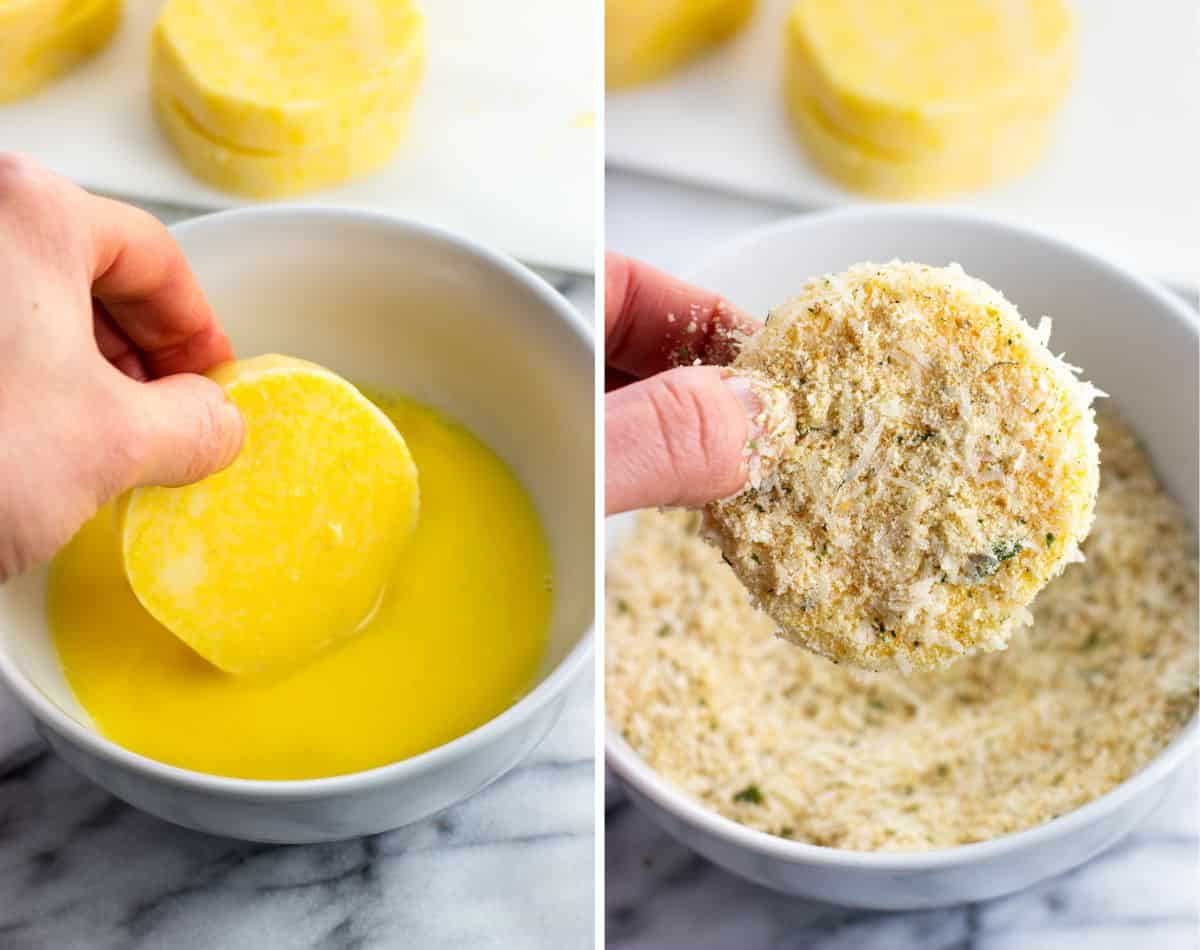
(943, 469)
(646, 39)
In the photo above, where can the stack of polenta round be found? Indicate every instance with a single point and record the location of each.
(41, 39)
(269, 98)
(918, 99)
(646, 39)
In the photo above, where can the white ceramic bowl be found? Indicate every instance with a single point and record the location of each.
(386, 302)
(1136, 342)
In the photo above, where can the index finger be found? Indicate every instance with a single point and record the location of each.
(653, 321)
(144, 282)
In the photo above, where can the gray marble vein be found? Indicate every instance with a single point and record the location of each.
(510, 868)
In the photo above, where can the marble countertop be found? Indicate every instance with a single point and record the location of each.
(511, 868)
(1140, 895)
(661, 896)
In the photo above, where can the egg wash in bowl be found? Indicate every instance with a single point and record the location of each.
(457, 638)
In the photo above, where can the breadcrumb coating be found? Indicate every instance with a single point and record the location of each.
(942, 470)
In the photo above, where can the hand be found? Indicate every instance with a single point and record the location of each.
(102, 330)
(676, 433)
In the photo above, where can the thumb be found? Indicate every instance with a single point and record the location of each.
(188, 429)
(689, 436)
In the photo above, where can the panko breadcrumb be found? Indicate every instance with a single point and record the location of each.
(942, 470)
(786, 742)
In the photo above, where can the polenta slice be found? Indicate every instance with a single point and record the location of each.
(25, 20)
(941, 89)
(288, 549)
(287, 74)
(40, 42)
(942, 470)
(997, 153)
(267, 174)
(646, 39)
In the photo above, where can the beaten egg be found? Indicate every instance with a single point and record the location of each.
(458, 637)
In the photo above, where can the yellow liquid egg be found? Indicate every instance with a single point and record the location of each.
(457, 639)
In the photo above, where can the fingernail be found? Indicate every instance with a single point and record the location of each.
(770, 418)
(751, 404)
(235, 425)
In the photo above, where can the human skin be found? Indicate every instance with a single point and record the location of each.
(676, 424)
(103, 334)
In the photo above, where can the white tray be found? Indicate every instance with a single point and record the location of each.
(501, 147)
(1121, 176)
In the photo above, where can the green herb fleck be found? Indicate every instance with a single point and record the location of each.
(1049, 540)
(1005, 549)
(622, 605)
(755, 558)
(750, 794)
(664, 630)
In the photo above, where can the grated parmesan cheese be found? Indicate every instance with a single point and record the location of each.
(903, 374)
(1106, 676)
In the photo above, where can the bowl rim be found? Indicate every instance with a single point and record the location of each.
(555, 683)
(635, 773)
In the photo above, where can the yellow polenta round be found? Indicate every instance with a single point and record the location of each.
(996, 154)
(942, 470)
(24, 20)
(289, 548)
(646, 39)
(269, 98)
(949, 82)
(279, 174)
(287, 74)
(41, 41)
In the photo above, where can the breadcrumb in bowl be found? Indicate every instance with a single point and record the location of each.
(784, 741)
(943, 469)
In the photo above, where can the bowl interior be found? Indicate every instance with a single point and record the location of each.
(1133, 340)
(413, 311)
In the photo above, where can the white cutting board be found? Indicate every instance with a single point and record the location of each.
(1121, 176)
(501, 147)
